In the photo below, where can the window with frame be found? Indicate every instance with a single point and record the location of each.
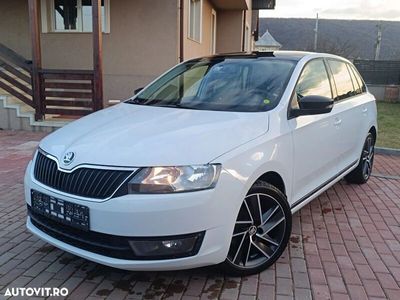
(76, 15)
(245, 85)
(358, 78)
(313, 81)
(356, 84)
(195, 20)
(342, 78)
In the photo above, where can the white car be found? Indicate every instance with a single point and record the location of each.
(206, 165)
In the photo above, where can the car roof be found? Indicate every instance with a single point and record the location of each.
(290, 55)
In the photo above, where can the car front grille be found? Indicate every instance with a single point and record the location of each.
(83, 182)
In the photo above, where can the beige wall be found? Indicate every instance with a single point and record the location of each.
(193, 48)
(229, 31)
(14, 26)
(142, 42)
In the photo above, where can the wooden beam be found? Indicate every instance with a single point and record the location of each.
(69, 94)
(16, 72)
(68, 112)
(244, 30)
(16, 83)
(181, 30)
(69, 85)
(14, 58)
(68, 103)
(36, 57)
(97, 56)
(64, 75)
(15, 93)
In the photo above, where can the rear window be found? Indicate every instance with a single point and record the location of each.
(356, 85)
(359, 79)
(342, 78)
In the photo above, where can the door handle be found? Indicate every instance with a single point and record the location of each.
(365, 110)
(337, 122)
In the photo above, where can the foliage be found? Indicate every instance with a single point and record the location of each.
(388, 124)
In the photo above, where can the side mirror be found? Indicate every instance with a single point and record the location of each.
(137, 91)
(313, 105)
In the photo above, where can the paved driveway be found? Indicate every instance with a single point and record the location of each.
(345, 244)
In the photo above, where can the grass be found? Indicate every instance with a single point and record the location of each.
(388, 125)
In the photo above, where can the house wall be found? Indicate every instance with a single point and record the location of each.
(193, 48)
(14, 26)
(229, 31)
(229, 36)
(142, 43)
(249, 23)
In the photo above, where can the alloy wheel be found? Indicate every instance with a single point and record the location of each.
(259, 231)
(368, 157)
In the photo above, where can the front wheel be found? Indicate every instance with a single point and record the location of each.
(363, 171)
(261, 231)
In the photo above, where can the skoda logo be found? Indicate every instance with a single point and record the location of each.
(68, 158)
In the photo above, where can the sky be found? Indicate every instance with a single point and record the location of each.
(336, 9)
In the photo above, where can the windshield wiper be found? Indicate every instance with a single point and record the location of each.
(138, 101)
(135, 101)
(178, 106)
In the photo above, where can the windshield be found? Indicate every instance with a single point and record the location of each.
(246, 85)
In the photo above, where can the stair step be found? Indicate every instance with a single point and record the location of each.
(16, 115)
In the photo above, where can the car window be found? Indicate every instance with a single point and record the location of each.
(191, 79)
(223, 84)
(356, 85)
(313, 81)
(359, 79)
(342, 78)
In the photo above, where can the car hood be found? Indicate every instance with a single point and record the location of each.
(136, 136)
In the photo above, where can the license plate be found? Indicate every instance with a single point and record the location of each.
(65, 212)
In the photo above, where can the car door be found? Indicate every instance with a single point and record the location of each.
(349, 111)
(315, 137)
(365, 103)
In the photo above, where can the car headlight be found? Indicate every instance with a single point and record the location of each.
(159, 180)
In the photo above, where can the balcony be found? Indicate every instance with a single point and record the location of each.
(231, 4)
(263, 4)
(244, 4)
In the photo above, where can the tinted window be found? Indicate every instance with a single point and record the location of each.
(356, 84)
(314, 81)
(341, 75)
(359, 79)
(232, 84)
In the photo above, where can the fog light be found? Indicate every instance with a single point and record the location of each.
(168, 247)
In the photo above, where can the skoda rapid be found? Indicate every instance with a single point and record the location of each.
(206, 165)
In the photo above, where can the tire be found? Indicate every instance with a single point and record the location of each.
(259, 239)
(362, 172)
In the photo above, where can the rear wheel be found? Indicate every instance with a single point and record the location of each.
(363, 171)
(261, 231)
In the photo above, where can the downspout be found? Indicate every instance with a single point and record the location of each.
(181, 30)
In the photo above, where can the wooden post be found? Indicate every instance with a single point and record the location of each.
(36, 57)
(97, 55)
(181, 30)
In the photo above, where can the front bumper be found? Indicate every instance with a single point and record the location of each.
(211, 211)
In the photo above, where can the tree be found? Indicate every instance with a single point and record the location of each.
(343, 47)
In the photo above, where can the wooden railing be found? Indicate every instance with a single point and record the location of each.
(15, 75)
(60, 92)
(67, 92)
